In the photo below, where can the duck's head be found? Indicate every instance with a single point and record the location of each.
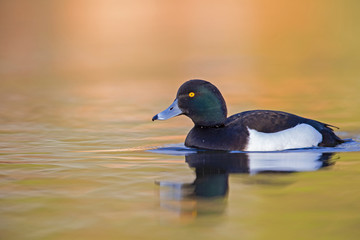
(199, 100)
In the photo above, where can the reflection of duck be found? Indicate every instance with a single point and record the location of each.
(212, 170)
(258, 162)
(258, 130)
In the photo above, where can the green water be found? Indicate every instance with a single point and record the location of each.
(78, 162)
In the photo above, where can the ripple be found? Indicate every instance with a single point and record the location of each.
(181, 150)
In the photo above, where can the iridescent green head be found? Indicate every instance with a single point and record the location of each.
(199, 100)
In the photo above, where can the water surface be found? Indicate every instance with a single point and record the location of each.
(79, 166)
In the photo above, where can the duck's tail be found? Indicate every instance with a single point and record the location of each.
(330, 139)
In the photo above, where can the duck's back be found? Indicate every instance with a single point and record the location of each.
(281, 126)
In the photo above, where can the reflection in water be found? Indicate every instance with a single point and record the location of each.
(207, 194)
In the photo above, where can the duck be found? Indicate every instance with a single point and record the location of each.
(254, 130)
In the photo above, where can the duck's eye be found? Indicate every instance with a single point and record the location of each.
(191, 94)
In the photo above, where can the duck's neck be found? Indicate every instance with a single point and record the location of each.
(214, 116)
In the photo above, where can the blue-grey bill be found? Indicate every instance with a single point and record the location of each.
(172, 111)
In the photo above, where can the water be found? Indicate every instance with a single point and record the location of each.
(80, 157)
(75, 165)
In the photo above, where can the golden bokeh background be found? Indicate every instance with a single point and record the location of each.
(261, 54)
(201, 38)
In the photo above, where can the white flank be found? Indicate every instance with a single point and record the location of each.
(300, 136)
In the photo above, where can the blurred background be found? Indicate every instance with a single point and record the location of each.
(202, 38)
(260, 54)
(254, 51)
(249, 48)
(81, 79)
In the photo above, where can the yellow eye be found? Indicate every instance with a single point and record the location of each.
(191, 94)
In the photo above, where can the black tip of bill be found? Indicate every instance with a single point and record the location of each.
(155, 117)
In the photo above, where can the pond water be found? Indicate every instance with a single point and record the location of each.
(83, 160)
(80, 157)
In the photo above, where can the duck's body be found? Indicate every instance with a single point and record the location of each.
(263, 130)
(258, 130)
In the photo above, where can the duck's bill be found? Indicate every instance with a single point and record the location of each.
(172, 111)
